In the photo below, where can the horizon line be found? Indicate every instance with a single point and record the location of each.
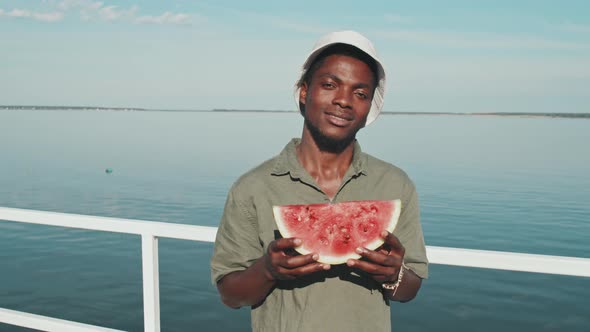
(140, 109)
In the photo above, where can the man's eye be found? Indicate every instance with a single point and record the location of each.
(361, 95)
(328, 85)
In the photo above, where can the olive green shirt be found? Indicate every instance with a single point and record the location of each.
(339, 299)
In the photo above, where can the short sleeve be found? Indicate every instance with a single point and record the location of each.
(409, 232)
(237, 244)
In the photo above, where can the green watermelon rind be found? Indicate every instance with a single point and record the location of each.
(341, 259)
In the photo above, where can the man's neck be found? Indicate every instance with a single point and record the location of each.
(326, 167)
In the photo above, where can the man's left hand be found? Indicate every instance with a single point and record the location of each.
(384, 263)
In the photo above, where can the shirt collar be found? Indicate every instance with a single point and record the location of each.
(287, 162)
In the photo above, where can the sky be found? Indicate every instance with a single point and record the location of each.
(440, 56)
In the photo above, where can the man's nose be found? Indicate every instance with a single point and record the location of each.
(343, 97)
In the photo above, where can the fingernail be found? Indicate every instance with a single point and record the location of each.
(384, 234)
(297, 242)
(315, 257)
(350, 262)
(359, 250)
(326, 266)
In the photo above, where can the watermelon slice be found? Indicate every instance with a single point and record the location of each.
(335, 230)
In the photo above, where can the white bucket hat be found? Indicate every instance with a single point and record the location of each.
(359, 41)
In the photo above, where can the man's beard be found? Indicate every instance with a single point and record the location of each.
(326, 143)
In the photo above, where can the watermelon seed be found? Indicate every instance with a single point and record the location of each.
(346, 234)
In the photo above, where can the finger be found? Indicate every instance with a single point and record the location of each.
(286, 273)
(272, 265)
(292, 262)
(284, 244)
(380, 257)
(372, 268)
(393, 242)
(310, 268)
(281, 274)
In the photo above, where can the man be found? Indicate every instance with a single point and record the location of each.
(340, 91)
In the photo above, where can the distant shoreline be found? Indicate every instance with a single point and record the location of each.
(135, 109)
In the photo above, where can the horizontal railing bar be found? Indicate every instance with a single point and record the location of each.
(43, 323)
(573, 266)
(107, 224)
(512, 261)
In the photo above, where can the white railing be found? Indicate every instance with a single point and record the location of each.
(150, 231)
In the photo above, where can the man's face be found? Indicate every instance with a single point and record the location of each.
(337, 100)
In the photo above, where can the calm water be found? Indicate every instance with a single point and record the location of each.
(510, 184)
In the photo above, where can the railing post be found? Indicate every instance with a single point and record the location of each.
(151, 283)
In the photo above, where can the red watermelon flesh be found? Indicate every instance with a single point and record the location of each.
(335, 230)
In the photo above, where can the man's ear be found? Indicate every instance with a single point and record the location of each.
(303, 93)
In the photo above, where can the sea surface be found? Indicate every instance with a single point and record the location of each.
(498, 183)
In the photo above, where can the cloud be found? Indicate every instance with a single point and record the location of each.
(80, 4)
(49, 17)
(113, 13)
(89, 10)
(479, 40)
(97, 10)
(165, 18)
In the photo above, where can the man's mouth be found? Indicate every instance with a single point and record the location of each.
(339, 119)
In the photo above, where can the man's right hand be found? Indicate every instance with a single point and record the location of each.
(246, 287)
(282, 266)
